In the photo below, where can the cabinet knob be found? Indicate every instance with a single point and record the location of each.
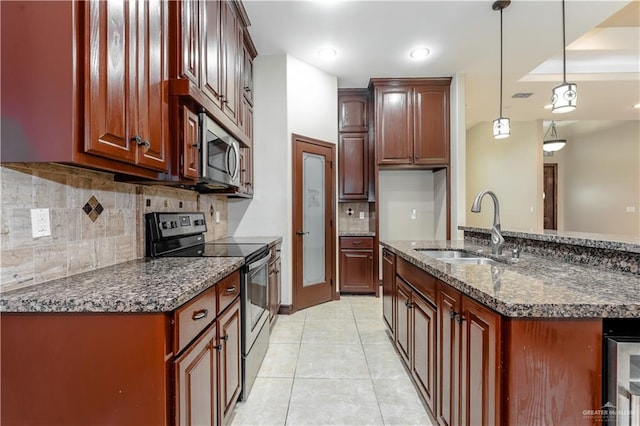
(247, 88)
(460, 319)
(225, 337)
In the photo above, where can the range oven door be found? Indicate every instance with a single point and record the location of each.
(256, 312)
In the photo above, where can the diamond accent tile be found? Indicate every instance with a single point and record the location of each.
(93, 208)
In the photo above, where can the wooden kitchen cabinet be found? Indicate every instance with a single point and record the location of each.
(356, 265)
(159, 368)
(274, 284)
(106, 104)
(353, 163)
(412, 121)
(246, 173)
(416, 327)
(213, 55)
(353, 110)
(388, 289)
(468, 360)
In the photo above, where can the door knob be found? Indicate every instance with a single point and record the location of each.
(301, 233)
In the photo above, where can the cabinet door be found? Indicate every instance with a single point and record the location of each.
(356, 271)
(423, 366)
(245, 119)
(431, 125)
(151, 119)
(480, 369)
(212, 63)
(110, 78)
(247, 74)
(448, 360)
(190, 137)
(191, 38)
(353, 163)
(231, 38)
(196, 380)
(403, 323)
(353, 112)
(394, 125)
(230, 374)
(388, 289)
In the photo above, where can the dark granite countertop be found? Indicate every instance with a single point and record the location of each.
(143, 285)
(624, 243)
(533, 287)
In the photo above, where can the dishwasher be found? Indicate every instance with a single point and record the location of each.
(621, 362)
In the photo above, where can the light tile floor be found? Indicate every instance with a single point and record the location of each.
(332, 364)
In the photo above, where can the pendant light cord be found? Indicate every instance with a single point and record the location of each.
(501, 62)
(564, 49)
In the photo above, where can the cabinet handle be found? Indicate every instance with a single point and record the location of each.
(460, 319)
(137, 139)
(357, 243)
(218, 348)
(452, 314)
(231, 290)
(198, 315)
(225, 338)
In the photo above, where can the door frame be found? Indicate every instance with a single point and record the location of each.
(554, 168)
(335, 295)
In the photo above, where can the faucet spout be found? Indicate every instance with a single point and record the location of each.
(497, 240)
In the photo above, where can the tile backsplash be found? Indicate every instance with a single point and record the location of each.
(349, 217)
(95, 221)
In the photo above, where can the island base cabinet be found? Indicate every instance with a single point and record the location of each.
(83, 369)
(553, 371)
(388, 289)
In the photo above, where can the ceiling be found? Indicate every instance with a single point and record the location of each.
(374, 38)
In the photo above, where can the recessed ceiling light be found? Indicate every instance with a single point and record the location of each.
(419, 53)
(327, 53)
(548, 106)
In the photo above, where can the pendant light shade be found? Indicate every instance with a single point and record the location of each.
(501, 125)
(501, 128)
(564, 97)
(553, 143)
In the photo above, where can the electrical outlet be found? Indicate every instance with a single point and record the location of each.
(631, 209)
(40, 223)
(361, 215)
(414, 214)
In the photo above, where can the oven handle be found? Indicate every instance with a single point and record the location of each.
(259, 263)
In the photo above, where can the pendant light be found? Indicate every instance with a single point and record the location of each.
(501, 125)
(564, 97)
(554, 143)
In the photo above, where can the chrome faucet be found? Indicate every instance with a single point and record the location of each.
(497, 240)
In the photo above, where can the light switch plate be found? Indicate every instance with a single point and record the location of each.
(40, 223)
(361, 215)
(414, 214)
(217, 216)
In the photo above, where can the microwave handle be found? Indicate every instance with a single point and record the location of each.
(234, 174)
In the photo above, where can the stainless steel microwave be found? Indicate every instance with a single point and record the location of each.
(219, 156)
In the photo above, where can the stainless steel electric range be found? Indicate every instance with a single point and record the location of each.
(182, 235)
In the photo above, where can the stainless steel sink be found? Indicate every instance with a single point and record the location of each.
(456, 257)
(468, 261)
(445, 254)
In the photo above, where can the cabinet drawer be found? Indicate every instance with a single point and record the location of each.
(420, 280)
(228, 290)
(356, 242)
(193, 317)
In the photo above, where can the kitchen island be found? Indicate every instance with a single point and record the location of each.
(150, 341)
(519, 341)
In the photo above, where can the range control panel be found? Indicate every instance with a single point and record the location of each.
(167, 225)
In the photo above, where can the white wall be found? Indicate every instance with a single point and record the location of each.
(290, 97)
(458, 155)
(512, 168)
(400, 191)
(602, 178)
